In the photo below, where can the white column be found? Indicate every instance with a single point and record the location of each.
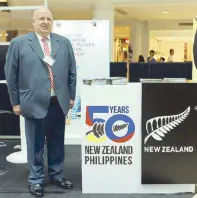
(139, 39)
(136, 39)
(145, 39)
(106, 12)
(20, 157)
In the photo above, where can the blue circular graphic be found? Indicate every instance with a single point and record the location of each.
(109, 131)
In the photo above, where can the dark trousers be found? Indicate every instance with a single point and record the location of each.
(52, 127)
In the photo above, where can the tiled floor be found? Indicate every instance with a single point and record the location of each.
(14, 183)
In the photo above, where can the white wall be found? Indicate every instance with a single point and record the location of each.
(154, 44)
(140, 34)
(187, 34)
(159, 24)
(178, 48)
(163, 40)
(169, 25)
(164, 46)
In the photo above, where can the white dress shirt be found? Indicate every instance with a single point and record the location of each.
(170, 58)
(41, 44)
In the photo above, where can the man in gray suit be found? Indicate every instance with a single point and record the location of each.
(40, 71)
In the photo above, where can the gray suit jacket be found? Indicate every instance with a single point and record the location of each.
(27, 75)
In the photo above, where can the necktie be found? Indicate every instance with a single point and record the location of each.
(48, 53)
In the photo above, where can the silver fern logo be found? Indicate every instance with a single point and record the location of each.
(158, 127)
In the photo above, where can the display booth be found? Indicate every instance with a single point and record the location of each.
(136, 138)
(139, 138)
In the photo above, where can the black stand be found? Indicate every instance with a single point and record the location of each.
(3, 170)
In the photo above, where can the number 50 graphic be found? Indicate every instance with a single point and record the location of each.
(101, 126)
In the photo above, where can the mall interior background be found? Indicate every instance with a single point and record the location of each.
(137, 26)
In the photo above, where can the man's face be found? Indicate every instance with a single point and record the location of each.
(43, 22)
(152, 54)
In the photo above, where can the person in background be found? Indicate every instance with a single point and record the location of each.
(141, 59)
(130, 54)
(162, 59)
(171, 56)
(151, 57)
(40, 70)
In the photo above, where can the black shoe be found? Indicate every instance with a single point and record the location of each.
(37, 190)
(62, 183)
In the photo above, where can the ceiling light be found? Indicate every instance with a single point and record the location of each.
(165, 12)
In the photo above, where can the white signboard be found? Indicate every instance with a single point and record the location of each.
(112, 133)
(90, 41)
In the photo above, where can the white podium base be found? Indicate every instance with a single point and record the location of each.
(73, 132)
(17, 157)
(72, 139)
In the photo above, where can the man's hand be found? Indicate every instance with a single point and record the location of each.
(72, 102)
(17, 109)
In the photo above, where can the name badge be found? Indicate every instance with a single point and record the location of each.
(49, 60)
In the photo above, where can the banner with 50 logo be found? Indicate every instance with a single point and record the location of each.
(118, 127)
